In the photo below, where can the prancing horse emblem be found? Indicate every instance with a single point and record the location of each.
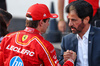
(24, 37)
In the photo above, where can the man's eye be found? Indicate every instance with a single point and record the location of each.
(73, 19)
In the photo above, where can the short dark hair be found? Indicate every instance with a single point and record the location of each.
(33, 23)
(82, 8)
(3, 27)
(6, 15)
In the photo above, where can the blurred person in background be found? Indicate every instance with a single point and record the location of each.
(5, 18)
(3, 5)
(3, 28)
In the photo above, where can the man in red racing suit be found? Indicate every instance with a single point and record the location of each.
(28, 48)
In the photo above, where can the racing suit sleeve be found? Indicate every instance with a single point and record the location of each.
(1, 58)
(68, 63)
(1, 53)
(49, 57)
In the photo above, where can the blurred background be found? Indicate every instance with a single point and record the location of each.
(18, 8)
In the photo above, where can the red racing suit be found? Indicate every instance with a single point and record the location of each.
(28, 48)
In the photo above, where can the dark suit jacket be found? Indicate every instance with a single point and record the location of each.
(70, 42)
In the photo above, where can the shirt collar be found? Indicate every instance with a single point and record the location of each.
(32, 30)
(86, 34)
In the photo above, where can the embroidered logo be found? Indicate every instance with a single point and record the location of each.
(16, 61)
(44, 15)
(24, 37)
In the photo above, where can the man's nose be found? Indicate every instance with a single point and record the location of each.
(70, 23)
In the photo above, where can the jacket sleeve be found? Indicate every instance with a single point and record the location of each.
(61, 60)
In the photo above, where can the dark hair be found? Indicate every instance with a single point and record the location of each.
(3, 27)
(82, 8)
(6, 15)
(33, 23)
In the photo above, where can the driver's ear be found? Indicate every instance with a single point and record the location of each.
(40, 23)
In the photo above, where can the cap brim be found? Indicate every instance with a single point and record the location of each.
(53, 16)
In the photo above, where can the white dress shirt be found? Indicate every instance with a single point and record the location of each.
(82, 54)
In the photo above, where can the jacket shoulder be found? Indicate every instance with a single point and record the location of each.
(71, 35)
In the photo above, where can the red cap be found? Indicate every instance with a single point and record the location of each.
(40, 11)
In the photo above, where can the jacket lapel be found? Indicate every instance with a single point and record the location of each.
(90, 43)
(75, 45)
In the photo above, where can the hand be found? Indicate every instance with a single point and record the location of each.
(62, 26)
(73, 56)
(67, 55)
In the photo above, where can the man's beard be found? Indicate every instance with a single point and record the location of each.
(79, 29)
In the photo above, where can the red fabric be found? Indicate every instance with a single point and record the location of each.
(68, 63)
(71, 1)
(94, 3)
(29, 47)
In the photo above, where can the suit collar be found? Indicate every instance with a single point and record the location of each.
(90, 43)
(75, 43)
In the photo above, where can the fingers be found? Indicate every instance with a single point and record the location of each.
(73, 57)
(72, 52)
(69, 54)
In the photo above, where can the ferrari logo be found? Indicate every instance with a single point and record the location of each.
(24, 37)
